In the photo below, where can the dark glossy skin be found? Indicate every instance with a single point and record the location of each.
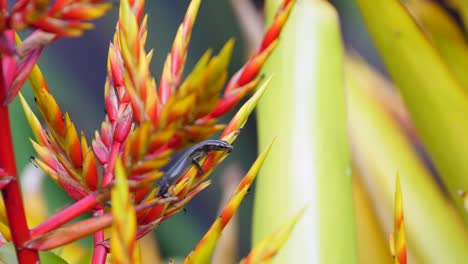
(189, 158)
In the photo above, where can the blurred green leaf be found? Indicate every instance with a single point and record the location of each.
(304, 108)
(444, 33)
(435, 229)
(8, 256)
(437, 103)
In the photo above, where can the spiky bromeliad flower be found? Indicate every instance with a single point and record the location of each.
(144, 124)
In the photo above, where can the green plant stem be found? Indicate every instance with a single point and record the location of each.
(11, 193)
(305, 108)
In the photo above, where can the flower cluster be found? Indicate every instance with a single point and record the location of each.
(145, 123)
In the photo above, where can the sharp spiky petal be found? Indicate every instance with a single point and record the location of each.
(264, 251)
(238, 121)
(175, 62)
(398, 237)
(34, 123)
(90, 170)
(123, 234)
(61, 149)
(204, 249)
(22, 73)
(241, 82)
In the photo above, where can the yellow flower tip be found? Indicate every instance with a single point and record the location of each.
(271, 144)
(231, 42)
(398, 237)
(269, 247)
(17, 39)
(239, 120)
(261, 90)
(248, 179)
(24, 103)
(398, 202)
(259, 162)
(205, 247)
(299, 215)
(228, 47)
(192, 10)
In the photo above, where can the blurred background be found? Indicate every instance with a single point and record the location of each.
(75, 70)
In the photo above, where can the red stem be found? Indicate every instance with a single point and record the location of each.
(66, 215)
(100, 251)
(109, 171)
(11, 193)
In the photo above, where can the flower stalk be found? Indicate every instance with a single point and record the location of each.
(11, 192)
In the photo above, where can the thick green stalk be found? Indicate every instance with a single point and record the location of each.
(305, 108)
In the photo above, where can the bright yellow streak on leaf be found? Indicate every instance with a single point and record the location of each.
(123, 233)
(241, 117)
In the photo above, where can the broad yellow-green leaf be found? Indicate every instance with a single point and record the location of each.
(305, 109)
(444, 33)
(435, 99)
(435, 231)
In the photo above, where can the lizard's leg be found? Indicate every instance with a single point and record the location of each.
(200, 168)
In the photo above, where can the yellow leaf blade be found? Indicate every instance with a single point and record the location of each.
(434, 97)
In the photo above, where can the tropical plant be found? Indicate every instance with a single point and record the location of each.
(118, 177)
(372, 170)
